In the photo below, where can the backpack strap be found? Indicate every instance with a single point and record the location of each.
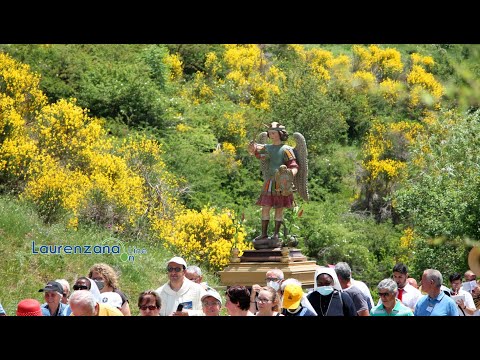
(303, 311)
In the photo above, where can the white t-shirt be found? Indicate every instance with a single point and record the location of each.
(468, 302)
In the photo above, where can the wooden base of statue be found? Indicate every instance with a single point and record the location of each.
(272, 255)
(251, 267)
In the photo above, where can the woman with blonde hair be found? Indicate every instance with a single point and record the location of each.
(107, 281)
(268, 302)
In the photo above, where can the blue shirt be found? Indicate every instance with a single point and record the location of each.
(2, 311)
(67, 311)
(442, 305)
(60, 310)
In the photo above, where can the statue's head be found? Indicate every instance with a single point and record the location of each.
(275, 126)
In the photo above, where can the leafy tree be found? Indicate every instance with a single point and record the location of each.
(194, 55)
(305, 109)
(447, 256)
(441, 195)
(123, 91)
(154, 56)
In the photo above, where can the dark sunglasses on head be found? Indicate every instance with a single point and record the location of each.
(149, 307)
(176, 269)
(80, 287)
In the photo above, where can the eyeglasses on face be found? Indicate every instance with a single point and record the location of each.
(176, 269)
(210, 303)
(382, 294)
(80, 287)
(260, 300)
(149, 307)
(271, 279)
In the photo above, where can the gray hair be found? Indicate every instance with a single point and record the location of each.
(194, 269)
(288, 282)
(84, 298)
(64, 283)
(435, 275)
(388, 284)
(343, 270)
(277, 272)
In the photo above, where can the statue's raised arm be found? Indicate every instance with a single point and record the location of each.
(284, 171)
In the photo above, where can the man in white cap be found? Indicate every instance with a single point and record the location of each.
(180, 296)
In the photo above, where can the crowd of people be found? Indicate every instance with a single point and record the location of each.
(335, 293)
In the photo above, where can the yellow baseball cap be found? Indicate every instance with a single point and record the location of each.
(292, 295)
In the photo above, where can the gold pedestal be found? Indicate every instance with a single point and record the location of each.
(255, 263)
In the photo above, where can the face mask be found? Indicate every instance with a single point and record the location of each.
(274, 285)
(325, 290)
(100, 284)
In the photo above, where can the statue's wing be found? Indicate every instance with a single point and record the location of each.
(300, 180)
(262, 139)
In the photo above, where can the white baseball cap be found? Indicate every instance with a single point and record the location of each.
(177, 260)
(213, 293)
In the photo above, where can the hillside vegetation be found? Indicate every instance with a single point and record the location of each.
(146, 146)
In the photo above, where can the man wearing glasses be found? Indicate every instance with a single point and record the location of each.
(273, 278)
(180, 296)
(66, 289)
(212, 303)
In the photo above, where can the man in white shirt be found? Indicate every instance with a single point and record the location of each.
(180, 291)
(464, 300)
(407, 294)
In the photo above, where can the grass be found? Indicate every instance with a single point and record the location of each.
(24, 269)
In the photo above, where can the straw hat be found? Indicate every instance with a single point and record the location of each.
(474, 260)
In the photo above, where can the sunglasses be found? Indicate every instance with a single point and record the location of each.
(149, 307)
(176, 269)
(383, 294)
(80, 287)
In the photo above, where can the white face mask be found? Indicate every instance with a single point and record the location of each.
(274, 285)
(325, 290)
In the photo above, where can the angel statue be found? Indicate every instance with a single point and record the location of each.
(284, 171)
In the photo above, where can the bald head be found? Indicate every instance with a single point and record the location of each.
(83, 303)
